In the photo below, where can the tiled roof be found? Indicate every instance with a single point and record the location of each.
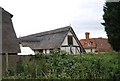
(100, 44)
(88, 43)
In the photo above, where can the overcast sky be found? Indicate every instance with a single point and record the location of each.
(34, 16)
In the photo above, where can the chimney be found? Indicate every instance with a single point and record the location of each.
(87, 35)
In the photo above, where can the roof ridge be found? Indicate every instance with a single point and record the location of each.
(93, 38)
(3, 10)
(50, 31)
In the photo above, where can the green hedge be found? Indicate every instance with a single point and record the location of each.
(62, 65)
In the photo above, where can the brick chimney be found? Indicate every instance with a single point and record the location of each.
(87, 35)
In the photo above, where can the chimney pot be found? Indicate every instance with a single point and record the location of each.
(87, 35)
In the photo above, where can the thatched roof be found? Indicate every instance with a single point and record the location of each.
(8, 40)
(49, 39)
(46, 40)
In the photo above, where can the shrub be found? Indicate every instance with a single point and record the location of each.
(62, 65)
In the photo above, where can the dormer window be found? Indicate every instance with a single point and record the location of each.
(70, 40)
(89, 43)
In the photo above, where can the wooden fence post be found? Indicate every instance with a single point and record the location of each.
(6, 62)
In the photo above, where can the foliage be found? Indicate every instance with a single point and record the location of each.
(112, 24)
(62, 65)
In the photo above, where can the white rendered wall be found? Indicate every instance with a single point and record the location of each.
(90, 50)
(67, 49)
(65, 42)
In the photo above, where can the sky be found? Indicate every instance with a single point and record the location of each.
(34, 16)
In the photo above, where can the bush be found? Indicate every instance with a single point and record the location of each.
(62, 65)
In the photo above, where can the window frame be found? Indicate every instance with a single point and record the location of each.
(70, 40)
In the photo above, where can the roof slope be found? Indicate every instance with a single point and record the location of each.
(85, 42)
(46, 40)
(101, 44)
(8, 40)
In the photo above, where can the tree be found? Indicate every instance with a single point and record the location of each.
(112, 23)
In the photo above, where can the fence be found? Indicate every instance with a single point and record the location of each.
(12, 60)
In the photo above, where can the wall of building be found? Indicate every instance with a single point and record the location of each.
(90, 50)
(65, 42)
(46, 51)
(0, 67)
(74, 48)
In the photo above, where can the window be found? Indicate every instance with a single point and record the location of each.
(51, 50)
(90, 50)
(89, 43)
(70, 40)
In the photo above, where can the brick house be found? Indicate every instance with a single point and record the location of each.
(95, 44)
